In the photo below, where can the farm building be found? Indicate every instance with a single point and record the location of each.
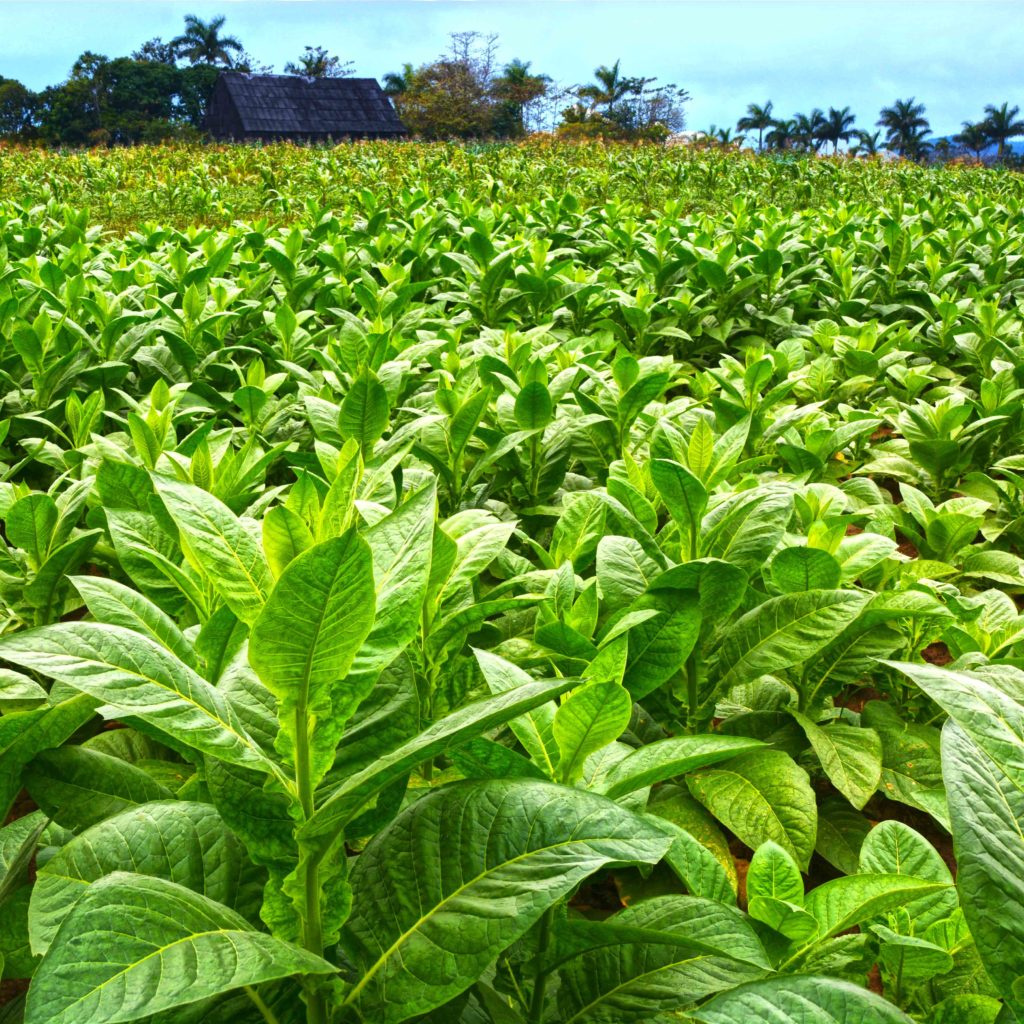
(268, 108)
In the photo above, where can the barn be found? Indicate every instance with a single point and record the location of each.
(270, 108)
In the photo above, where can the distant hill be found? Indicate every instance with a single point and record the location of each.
(1015, 146)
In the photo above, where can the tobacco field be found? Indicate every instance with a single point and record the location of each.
(525, 585)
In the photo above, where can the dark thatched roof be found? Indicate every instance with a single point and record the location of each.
(293, 106)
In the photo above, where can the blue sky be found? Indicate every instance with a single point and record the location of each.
(955, 56)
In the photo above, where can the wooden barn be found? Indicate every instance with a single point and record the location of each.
(270, 108)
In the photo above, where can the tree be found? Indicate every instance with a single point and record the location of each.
(626, 108)
(316, 62)
(974, 138)
(837, 127)
(157, 50)
(756, 119)
(906, 128)
(867, 144)
(515, 89)
(18, 105)
(1000, 126)
(782, 134)
(202, 43)
(398, 82)
(807, 130)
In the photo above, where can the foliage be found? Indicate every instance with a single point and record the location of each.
(510, 584)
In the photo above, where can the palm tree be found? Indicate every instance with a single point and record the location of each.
(757, 118)
(202, 43)
(867, 144)
(609, 87)
(807, 129)
(398, 82)
(782, 134)
(1000, 125)
(517, 87)
(973, 137)
(905, 128)
(837, 127)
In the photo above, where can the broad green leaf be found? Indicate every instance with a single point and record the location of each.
(760, 796)
(773, 873)
(784, 631)
(841, 833)
(697, 867)
(466, 871)
(305, 639)
(744, 530)
(659, 647)
(986, 807)
(850, 756)
(535, 729)
(181, 947)
(788, 919)
(993, 720)
(179, 841)
(137, 676)
(652, 961)
(586, 721)
(118, 605)
(685, 498)
(892, 847)
(227, 552)
(18, 842)
(847, 901)
(285, 537)
(467, 722)
(78, 787)
(24, 734)
(665, 759)
(364, 410)
(534, 408)
(401, 548)
(803, 999)
(797, 569)
(30, 524)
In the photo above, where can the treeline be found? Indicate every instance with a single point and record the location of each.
(901, 129)
(161, 90)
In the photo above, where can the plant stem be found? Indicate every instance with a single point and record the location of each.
(541, 981)
(268, 1014)
(312, 925)
(691, 692)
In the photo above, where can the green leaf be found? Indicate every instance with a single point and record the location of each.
(894, 848)
(364, 410)
(760, 796)
(535, 729)
(78, 787)
(227, 552)
(987, 811)
(773, 873)
(30, 524)
(586, 721)
(659, 647)
(798, 569)
(665, 759)
(467, 722)
(648, 959)
(118, 605)
(181, 947)
(466, 871)
(182, 842)
(534, 408)
(799, 1000)
(400, 544)
(137, 676)
(285, 537)
(685, 498)
(18, 842)
(784, 631)
(851, 757)
(841, 833)
(847, 901)
(305, 639)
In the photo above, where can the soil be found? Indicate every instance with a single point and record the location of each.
(937, 654)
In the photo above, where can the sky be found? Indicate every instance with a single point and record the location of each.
(953, 55)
